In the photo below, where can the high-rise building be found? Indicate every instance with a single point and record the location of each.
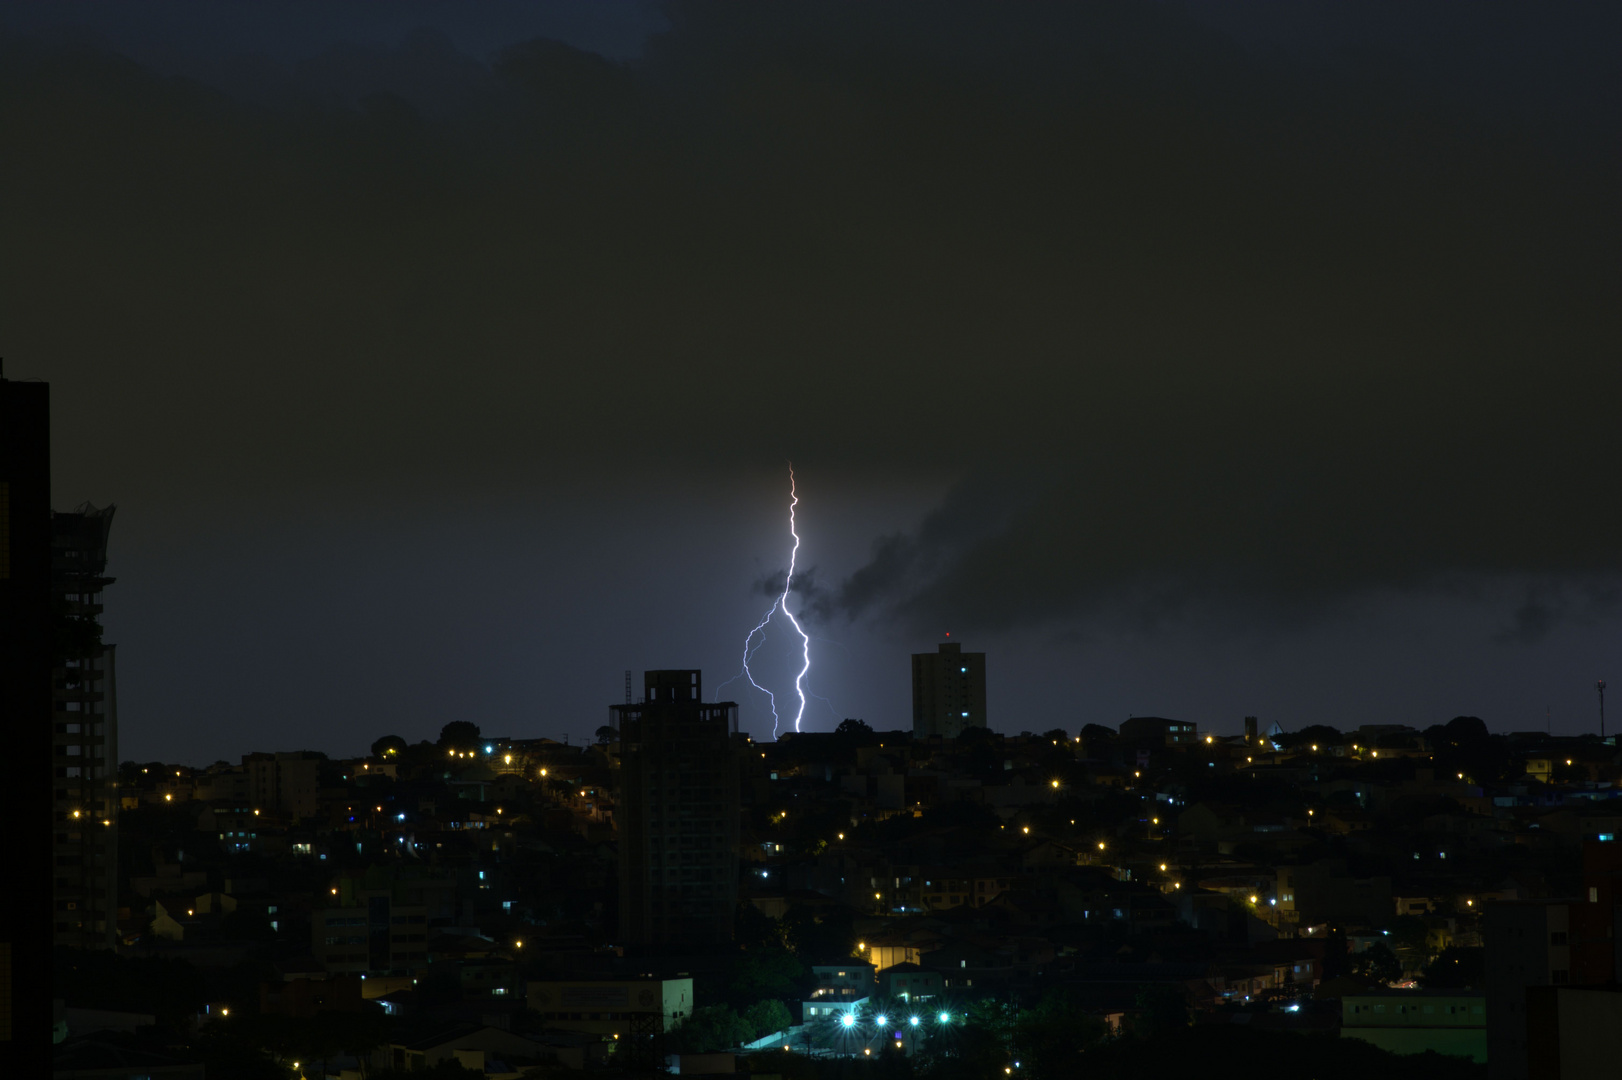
(948, 691)
(25, 713)
(677, 813)
(84, 735)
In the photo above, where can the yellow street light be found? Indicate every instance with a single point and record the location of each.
(841, 836)
(1101, 845)
(76, 813)
(1162, 866)
(168, 798)
(508, 758)
(518, 944)
(1056, 783)
(543, 772)
(1252, 899)
(1025, 829)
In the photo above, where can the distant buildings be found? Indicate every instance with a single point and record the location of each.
(948, 691)
(678, 814)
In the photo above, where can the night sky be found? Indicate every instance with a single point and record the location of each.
(1199, 360)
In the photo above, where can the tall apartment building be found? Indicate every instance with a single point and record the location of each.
(25, 712)
(948, 691)
(84, 727)
(677, 815)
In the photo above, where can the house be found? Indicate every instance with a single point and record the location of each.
(612, 1008)
(1414, 1021)
(839, 988)
(475, 1046)
(909, 982)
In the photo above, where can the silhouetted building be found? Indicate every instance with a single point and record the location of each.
(677, 816)
(1537, 949)
(948, 691)
(289, 782)
(1158, 731)
(25, 710)
(84, 735)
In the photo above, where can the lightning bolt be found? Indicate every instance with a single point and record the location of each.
(782, 601)
(749, 645)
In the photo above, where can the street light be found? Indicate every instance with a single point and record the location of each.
(945, 1018)
(848, 1020)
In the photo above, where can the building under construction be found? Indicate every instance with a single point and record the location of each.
(84, 734)
(677, 816)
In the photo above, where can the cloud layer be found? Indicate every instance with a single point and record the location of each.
(1262, 306)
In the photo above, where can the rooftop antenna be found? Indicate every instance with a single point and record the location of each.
(627, 686)
(1602, 708)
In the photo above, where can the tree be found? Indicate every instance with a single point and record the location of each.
(852, 728)
(1160, 1010)
(607, 734)
(1455, 967)
(762, 973)
(825, 938)
(1314, 735)
(1466, 731)
(1378, 962)
(1059, 735)
(389, 748)
(459, 735)
(765, 1017)
(709, 1028)
(1409, 939)
(754, 929)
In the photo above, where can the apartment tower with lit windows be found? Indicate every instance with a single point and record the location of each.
(948, 691)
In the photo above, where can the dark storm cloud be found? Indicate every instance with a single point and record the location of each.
(1545, 605)
(1207, 309)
